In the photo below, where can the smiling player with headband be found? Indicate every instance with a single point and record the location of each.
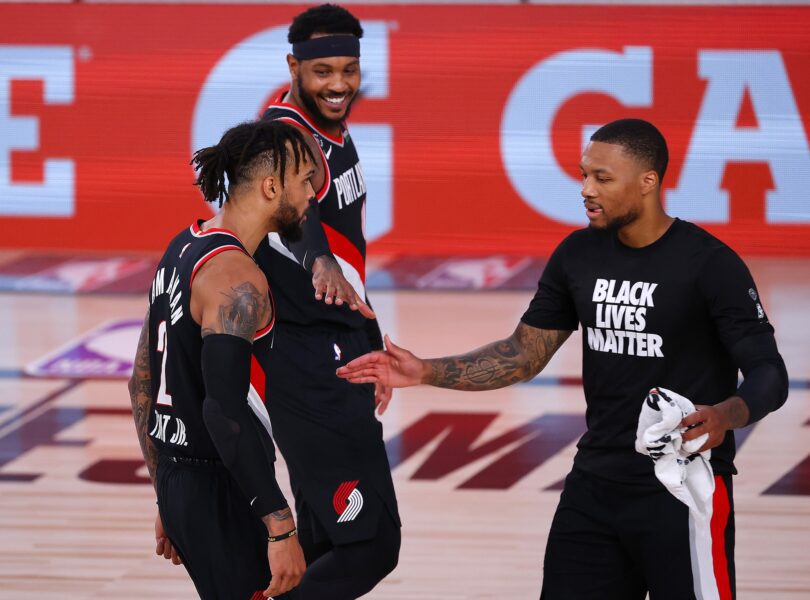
(326, 429)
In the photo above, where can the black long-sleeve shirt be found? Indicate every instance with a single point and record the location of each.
(682, 313)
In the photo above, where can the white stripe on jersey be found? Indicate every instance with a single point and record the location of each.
(349, 272)
(353, 277)
(259, 409)
(277, 245)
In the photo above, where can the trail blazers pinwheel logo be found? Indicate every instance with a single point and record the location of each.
(348, 501)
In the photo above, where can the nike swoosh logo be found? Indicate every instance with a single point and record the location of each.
(252, 501)
(328, 153)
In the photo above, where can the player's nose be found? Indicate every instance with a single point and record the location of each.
(588, 190)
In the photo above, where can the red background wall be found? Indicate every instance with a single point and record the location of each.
(139, 70)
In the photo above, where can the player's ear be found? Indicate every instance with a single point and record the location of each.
(293, 64)
(649, 181)
(270, 187)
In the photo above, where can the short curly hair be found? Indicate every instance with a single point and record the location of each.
(640, 139)
(326, 18)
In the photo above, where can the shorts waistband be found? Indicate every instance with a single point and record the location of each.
(319, 327)
(190, 460)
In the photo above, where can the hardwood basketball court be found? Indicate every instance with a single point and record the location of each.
(477, 474)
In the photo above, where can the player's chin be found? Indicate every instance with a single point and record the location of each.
(332, 114)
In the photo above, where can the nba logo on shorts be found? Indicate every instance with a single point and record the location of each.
(336, 348)
(347, 501)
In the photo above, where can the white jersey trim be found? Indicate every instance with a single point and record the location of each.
(349, 272)
(352, 276)
(277, 245)
(259, 409)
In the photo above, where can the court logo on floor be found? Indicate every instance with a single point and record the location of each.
(348, 501)
(104, 352)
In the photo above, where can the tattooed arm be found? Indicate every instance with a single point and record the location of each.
(517, 358)
(229, 296)
(140, 395)
(229, 300)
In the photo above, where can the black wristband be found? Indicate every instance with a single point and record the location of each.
(282, 536)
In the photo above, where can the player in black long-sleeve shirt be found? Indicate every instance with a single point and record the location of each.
(662, 303)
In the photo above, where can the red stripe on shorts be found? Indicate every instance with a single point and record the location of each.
(720, 514)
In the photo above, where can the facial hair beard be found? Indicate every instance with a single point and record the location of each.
(312, 109)
(616, 223)
(288, 221)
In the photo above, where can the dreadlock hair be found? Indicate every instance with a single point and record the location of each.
(245, 151)
(640, 139)
(326, 18)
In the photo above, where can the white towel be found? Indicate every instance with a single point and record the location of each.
(686, 473)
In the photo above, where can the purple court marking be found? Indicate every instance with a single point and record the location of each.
(104, 352)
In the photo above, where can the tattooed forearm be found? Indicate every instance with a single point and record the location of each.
(540, 345)
(140, 395)
(273, 518)
(280, 515)
(737, 412)
(244, 312)
(493, 366)
(150, 454)
(518, 358)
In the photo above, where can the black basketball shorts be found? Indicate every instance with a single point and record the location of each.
(618, 541)
(223, 544)
(328, 433)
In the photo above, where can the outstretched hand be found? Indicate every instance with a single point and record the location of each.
(394, 367)
(332, 287)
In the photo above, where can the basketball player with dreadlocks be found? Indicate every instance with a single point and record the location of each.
(210, 459)
(347, 512)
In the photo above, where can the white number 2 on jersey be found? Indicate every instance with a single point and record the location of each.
(163, 397)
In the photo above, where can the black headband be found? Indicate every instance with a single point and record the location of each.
(330, 45)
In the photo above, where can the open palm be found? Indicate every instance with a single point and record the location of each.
(395, 367)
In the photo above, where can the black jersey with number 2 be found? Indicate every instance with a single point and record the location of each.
(175, 344)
